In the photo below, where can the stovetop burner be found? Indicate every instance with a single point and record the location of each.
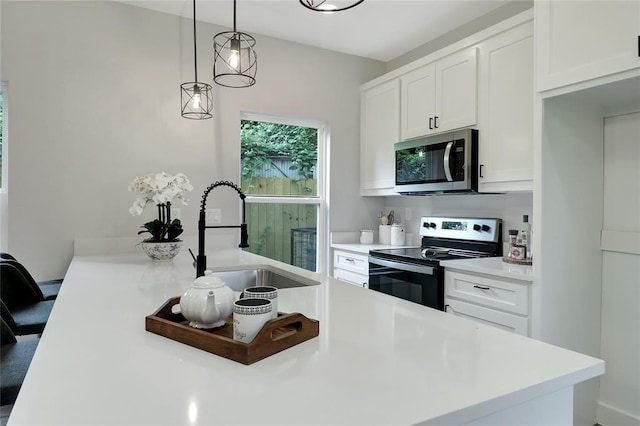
(435, 251)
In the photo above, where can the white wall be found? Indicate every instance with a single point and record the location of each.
(95, 102)
(620, 386)
(568, 260)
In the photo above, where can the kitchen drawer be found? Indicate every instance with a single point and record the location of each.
(353, 262)
(505, 295)
(351, 277)
(492, 317)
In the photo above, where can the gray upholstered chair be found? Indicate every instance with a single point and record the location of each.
(15, 358)
(23, 304)
(49, 288)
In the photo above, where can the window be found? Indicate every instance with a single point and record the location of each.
(282, 171)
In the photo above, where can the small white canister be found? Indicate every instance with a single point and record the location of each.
(397, 235)
(384, 235)
(366, 236)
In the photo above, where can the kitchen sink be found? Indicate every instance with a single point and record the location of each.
(240, 278)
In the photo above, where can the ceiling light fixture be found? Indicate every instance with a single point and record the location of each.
(325, 7)
(235, 63)
(196, 97)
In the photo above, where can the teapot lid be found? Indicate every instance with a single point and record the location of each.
(208, 280)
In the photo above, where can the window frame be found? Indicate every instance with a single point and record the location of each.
(320, 199)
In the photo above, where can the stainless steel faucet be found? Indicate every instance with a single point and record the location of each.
(201, 259)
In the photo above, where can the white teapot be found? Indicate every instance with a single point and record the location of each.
(207, 304)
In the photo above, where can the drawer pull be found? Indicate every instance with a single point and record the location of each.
(481, 288)
(350, 260)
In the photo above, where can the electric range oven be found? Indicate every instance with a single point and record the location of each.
(415, 274)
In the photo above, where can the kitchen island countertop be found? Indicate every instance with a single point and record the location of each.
(377, 360)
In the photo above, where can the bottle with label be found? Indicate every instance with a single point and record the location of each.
(524, 237)
(515, 251)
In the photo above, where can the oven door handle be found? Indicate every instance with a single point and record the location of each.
(428, 270)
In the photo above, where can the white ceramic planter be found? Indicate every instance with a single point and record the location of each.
(162, 250)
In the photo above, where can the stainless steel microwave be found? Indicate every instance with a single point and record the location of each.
(440, 164)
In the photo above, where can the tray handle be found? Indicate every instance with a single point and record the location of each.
(285, 327)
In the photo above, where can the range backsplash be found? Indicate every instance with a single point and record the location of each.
(508, 207)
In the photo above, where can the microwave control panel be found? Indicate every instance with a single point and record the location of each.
(458, 161)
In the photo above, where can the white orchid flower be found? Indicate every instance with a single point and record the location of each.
(158, 188)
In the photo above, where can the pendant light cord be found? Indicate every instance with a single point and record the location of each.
(195, 54)
(234, 16)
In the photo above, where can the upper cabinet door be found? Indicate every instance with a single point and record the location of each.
(379, 130)
(456, 91)
(506, 111)
(439, 97)
(578, 41)
(418, 102)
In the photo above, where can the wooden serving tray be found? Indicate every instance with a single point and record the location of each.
(278, 334)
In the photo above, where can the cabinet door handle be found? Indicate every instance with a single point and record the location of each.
(435, 121)
(482, 288)
(448, 308)
(430, 123)
(639, 46)
(481, 166)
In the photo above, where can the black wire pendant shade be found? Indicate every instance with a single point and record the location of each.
(196, 98)
(235, 62)
(326, 7)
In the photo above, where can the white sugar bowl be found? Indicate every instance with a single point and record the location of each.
(207, 304)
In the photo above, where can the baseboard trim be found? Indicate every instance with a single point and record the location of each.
(610, 416)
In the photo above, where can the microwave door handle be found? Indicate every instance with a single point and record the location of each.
(447, 155)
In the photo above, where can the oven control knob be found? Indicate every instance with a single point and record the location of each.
(486, 228)
(477, 227)
(433, 225)
(425, 225)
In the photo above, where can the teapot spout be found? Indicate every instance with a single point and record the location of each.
(211, 310)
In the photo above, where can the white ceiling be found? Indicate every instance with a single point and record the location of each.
(376, 29)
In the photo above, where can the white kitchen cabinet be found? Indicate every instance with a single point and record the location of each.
(496, 301)
(351, 267)
(577, 41)
(440, 96)
(379, 130)
(492, 317)
(505, 116)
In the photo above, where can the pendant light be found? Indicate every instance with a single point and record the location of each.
(235, 62)
(326, 7)
(196, 97)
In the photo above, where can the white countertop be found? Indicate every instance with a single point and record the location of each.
(492, 266)
(350, 241)
(377, 360)
(365, 248)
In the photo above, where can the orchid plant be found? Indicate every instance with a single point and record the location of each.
(160, 189)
